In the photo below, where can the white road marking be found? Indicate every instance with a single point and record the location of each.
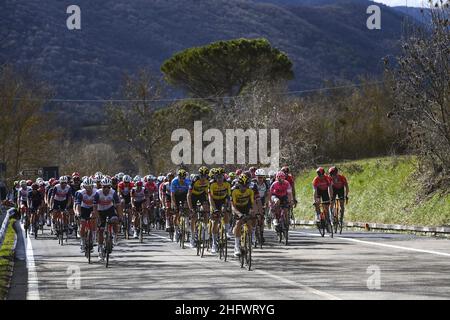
(33, 288)
(284, 280)
(379, 244)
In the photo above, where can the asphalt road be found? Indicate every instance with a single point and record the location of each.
(356, 265)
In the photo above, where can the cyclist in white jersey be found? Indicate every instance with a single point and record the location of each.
(106, 201)
(84, 206)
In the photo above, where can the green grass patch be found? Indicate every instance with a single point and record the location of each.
(382, 190)
(6, 259)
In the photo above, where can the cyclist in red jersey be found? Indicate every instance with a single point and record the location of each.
(340, 187)
(322, 190)
(291, 180)
(280, 195)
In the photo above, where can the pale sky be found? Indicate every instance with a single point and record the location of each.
(411, 3)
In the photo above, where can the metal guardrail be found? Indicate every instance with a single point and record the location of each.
(382, 226)
(4, 224)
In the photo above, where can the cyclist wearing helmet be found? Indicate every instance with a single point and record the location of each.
(105, 203)
(98, 179)
(252, 171)
(232, 178)
(263, 189)
(22, 196)
(219, 199)
(35, 201)
(198, 192)
(84, 206)
(60, 199)
(139, 204)
(280, 195)
(151, 188)
(164, 196)
(115, 184)
(242, 202)
(322, 191)
(340, 187)
(124, 188)
(179, 189)
(291, 180)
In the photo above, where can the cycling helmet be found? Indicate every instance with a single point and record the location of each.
(23, 183)
(212, 172)
(160, 178)
(139, 184)
(106, 182)
(88, 182)
(170, 175)
(272, 174)
(332, 171)
(281, 175)
(220, 171)
(232, 175)
(260, 173)
(192, 176)
(285, 169)
(98, 173)
(238, 172)
(252, 169)
(182, 173)
(16, 182)
(243, 180)
(114, 179)
(248, 174)
(29, 183)
(126, 178)
(75, 174)
(137, 178)
(63, 179)
(51, 181)
(39, 180)
(203, 170)
(35, 186)
(320, 171)
(120, 175)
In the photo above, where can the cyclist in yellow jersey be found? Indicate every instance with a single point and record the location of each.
(242, 202)
(198, 191)
(219, 198)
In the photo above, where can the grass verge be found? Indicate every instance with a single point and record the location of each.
(382, 190)
(6, 259)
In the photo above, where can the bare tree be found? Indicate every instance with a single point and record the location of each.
(422, 89)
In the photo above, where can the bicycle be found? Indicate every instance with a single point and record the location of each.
(62, 228)
(282, 229)
(89, 239)
(108, 238)
(126, 222)
(202, 224)
(246, 243)
(182, 228)
(338, 217)
(223, 239)
(325, 223)
(259, 230)
(26, 222)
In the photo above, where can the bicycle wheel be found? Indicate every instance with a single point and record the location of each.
(127, 228)
(321, 226)
(108, 247)
(199, 236)
(331, 227)
(181, 230)
(61, 233)
(249, 251)
(286, 230)
(36, 229)
(204, 240)
(141, 230)
(25, 226)
(87, 246)
(243, 247)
